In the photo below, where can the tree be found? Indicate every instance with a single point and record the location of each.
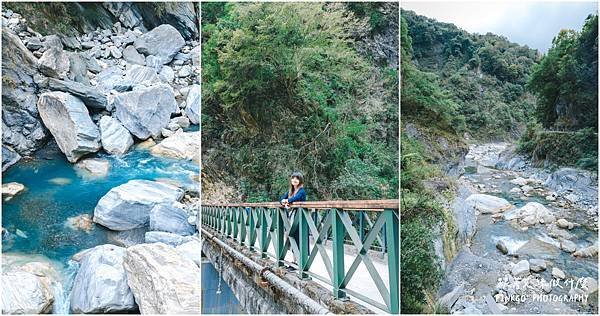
(565, 81)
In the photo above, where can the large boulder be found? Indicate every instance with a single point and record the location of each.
(68, 120)
(94, 167)
(52, 41)
(101, 283)
(89, 95)
(465, 215)
(11, 189)
(587, 252)
(22, 129)
(181, 145)
(163, 281)
(54, 63)
(488, 204)
(162, 42)
(519, 181)
(170, 218)
(192, 109)
(116, 139)
(520, 269)
(563, 223)
(568, 246)
(537, 248)
(71, 42)
(128, 205)
(537, 265)
(531, 214)
(78, 71)
(25, 293)
(145, 111)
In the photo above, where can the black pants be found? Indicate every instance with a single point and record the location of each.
(294, 231)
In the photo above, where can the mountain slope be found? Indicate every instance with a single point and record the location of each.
(485, 75)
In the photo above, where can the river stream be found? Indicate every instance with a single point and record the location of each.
(38, 220)
(481, 275)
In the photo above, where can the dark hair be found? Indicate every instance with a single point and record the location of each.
(300, 178)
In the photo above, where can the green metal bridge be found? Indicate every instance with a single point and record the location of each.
(368, 226)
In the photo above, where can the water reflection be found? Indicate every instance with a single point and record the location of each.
(213, 303)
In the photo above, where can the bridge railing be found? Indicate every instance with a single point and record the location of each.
(260, 225)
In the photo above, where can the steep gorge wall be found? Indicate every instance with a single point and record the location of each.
(22, 130)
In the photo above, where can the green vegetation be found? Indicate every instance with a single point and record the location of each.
(377, 19)
(483, 76)
(47, 18)
(427, 105)
(565, 84)
(420, 213)
(557, 148)
(284, 89)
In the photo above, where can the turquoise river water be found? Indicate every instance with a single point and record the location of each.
(56, 190)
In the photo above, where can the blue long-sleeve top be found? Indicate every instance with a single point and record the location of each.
(298, 197)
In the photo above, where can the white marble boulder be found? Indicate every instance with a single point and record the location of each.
(68, 120)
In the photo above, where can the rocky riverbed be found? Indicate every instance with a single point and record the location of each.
(529, 237)
(101, 166)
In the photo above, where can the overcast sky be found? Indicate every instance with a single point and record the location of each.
(527, 23)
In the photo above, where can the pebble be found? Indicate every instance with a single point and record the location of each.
(558, 273)
(537, 265)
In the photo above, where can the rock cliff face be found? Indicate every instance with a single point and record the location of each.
(446, 151)
(72, 19)
(22, 129)
(382, 44)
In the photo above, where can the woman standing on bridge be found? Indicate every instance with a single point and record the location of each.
(295, 193)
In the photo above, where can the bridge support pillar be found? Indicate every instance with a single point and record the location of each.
(339, 232)
(264, 233)
(279, 238)
(305, 215)
(392, 240)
